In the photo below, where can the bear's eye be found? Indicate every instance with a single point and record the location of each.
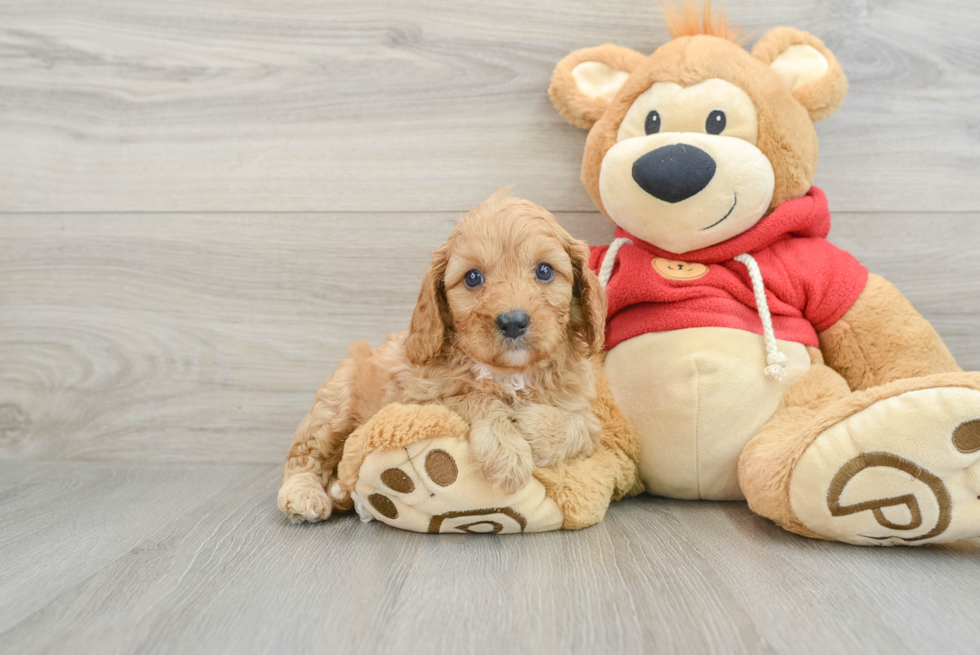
(716, 122)
(544, 272)
(473, 278)
(652, 125)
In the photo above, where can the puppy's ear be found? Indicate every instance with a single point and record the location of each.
(431, 320)
(589, 318)
(585, 81)
(808, 68)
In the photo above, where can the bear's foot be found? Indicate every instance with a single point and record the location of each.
(895, 465)
(409, 467)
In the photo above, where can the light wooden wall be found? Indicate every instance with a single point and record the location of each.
(204, 202)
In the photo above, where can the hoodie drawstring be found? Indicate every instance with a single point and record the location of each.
(609, 260)
(775, 359)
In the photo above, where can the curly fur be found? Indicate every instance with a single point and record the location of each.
(453, 340)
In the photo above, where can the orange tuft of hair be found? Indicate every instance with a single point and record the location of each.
(687, 20)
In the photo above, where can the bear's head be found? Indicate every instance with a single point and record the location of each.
(696, 143)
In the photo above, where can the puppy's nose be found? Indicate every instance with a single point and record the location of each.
(513, 324)
(674, 173)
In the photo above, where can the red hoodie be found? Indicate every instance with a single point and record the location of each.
(809, 282)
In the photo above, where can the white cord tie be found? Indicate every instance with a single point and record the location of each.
(774, 358)
(609, 260)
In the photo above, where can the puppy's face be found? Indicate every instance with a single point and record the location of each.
(508, 284)
(511, 287)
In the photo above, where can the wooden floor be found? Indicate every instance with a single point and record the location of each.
(203, 203)
(192, 558)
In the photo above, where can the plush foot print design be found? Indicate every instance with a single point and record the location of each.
(409, 467)
(901, 467)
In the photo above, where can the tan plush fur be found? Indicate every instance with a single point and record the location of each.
(579, 109)
(821, 97)
(395, 426)
(454, 355)
(881, 347)
(786, 134)
(883, 338)
(819, 400)
(767, 462)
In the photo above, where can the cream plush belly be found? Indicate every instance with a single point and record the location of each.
(696, 397)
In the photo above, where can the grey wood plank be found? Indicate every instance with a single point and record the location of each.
(380, 105)
(203, 337)
(60, 524)
(231, 575)
(817, 597)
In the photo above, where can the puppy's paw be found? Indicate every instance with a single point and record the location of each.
(556, 436)
(340, 494)
(592, 435)
(302, 498)
(510, 471)
(502, 454)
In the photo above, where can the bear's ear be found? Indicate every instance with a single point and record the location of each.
(585, 81)
(808, 68)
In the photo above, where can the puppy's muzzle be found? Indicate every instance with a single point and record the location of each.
(513, 324)
(674, 173)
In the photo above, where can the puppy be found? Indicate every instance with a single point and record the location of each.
(507, 320)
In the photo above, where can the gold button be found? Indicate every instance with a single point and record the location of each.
(675, 270)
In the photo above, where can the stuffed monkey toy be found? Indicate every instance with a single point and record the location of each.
(755, 359)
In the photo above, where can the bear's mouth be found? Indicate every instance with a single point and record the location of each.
(722, 219)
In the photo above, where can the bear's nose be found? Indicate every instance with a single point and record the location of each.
(513, 324)
(674, 173)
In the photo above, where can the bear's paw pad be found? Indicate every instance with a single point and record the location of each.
(432, 486)
(905, 470)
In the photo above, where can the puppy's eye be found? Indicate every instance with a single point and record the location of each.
(652, 125)
(716, 122)
(473, 278)
(544, 272)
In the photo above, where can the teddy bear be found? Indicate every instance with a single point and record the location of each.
(755, 359)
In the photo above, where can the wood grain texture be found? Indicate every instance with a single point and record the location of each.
(204, 337)
(220, 570)
(162, 342)
(380, 105)
(61, 524)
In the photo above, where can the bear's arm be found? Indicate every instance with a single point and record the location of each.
(868, 331)
(882, 338)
